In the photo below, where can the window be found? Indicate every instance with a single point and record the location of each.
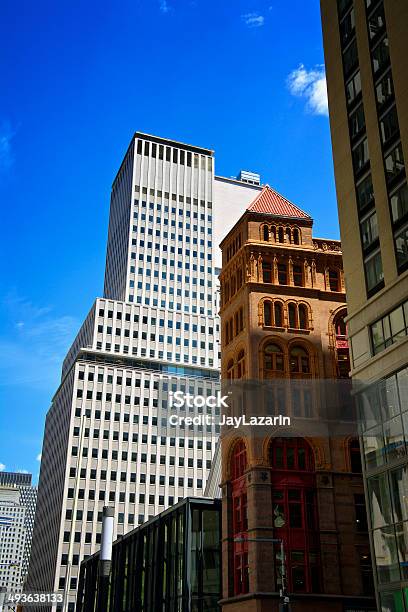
(278, 312)
(267, 272)
(399, 203)
(360, 156)
(374, 272)
(239, 518)
(292, 315)
(265, 232)
(282, 274)
(355, 457)
(347, 28)
(296, 236)
(267, 313)
(389, 329)
(241, 364)
(384, 90)
(357, 122)
(389, 127)
(294, 512)
(369, 230)
(303, 318)
(401, 248)
(365, 193)
(394, 163)
(299, 361)
(273, 359)
(376, 22)
(297, 275)
(350, 58)
(353, 88)
(381, 55)
(334, 280)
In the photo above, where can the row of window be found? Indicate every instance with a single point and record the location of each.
(181, 211)
(273, 233)
(179, 156)
(291, 315)
(390, 328)
(113, 475)
(152, 353)
(389, 131)
(360, 151)
(153, 321)
(234, 325)
(234, 246)
(159, 194)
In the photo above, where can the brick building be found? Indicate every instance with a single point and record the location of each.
(282, 317)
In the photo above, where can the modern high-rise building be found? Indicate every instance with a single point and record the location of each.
(297, 489)
(366, 50)
(17, 509)
(108, 438)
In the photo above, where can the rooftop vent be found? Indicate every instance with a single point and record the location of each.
(252, 178)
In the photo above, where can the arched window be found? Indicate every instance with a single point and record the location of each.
(355, 457)
(299, 361)
(295, 513)
(281, 235)
(241, 364)
(296, 236)
(273, 233)
(292, 315)
(303, 318)
(265, 232)
(239, 519)
(278, 312)
(267, 313)
(238, 460)
(288, 236)
(274, 360)
(230, 370)
(291, 454)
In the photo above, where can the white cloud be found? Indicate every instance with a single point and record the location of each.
(311, 85)
(6, 154)
(38, 457)
(35, 342)
(2, 467)
(253, 20)
(164, 7)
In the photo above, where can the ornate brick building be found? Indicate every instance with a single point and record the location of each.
(283, 317)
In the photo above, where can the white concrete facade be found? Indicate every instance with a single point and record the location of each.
(107, 437)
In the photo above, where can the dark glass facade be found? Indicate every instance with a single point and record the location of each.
(384, 421)
(169, 564)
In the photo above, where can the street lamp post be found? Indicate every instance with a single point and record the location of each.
(283, 593)
(105, 559)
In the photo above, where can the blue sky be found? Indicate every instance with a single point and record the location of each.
(243, 77)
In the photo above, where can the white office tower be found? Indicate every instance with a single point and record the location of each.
(17, 498)
(12, 540)
(108, 439)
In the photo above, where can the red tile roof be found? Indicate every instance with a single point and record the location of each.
(271, 202)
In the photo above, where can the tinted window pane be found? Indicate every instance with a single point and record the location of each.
(389, 125)
(384, 90)
(373, 271)
(380, 55)
(401, 247)
(394, 163)
(357, 122)
(399, 203)
(369, 230)
(365, 193)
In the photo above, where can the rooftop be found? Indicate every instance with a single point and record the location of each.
(271, 202)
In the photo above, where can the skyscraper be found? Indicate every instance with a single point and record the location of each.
(17, 509)
(107, 435)
(366, 50)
